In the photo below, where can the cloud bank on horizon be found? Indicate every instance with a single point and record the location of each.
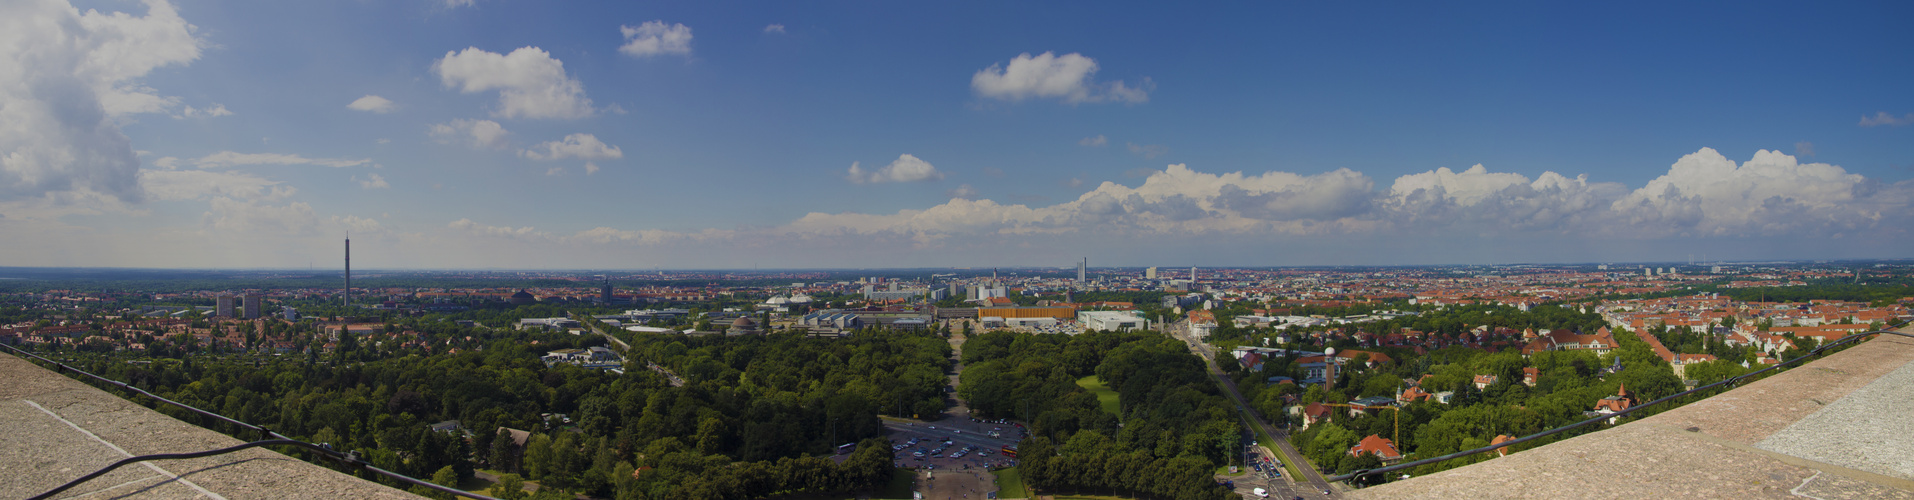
(1703, 194)
(453, 170)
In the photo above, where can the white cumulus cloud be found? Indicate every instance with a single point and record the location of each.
(176, 185)
(1704, 194)
(1707, 194)
(527, 232)
(475, 133)
(226, 159)
(906, 168)
(371, 103)
(530, 82)
(1095, 142)
(1882, 118)
(1490, 202)
(252, 216)
(655, 38)
(216, 109)
(1068, 77)
(356, 225)
(372, 181)
(774, 29)
(1474, 214)
(581, 146)
(64, 76)
(604, 235)
(1147, 151)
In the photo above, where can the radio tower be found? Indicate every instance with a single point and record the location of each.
(348, 299)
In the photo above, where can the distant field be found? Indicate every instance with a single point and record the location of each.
(1105, 396)
(1010, 484)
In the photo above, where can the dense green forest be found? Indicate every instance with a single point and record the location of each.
(1878, 290)
(1175, 428)
(748, 423)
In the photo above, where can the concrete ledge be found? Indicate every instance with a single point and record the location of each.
(1838, 427)
(58, 429)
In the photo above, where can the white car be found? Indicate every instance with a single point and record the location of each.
(1260, 492)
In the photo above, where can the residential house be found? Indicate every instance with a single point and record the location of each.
(1315, 412)
(1381, 447)
(1622, 400)
(1499, 439)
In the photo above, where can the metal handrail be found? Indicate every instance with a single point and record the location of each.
(1730, 382)
(271, 438)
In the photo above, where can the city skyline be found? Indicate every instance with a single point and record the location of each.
(510, 135)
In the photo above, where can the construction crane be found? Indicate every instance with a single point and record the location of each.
(1398, 419)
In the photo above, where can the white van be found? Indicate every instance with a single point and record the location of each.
(1260, 492)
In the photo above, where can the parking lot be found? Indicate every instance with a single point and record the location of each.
(952, 443)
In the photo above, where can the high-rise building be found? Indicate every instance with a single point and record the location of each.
(224, 307)
(254, 303)
(1081, 268)
(605, 294)
(289, 313)
(1149, 273)
(1192, 274)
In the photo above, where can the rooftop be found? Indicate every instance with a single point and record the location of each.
(59, 429)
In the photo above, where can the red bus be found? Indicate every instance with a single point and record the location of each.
(1010, 451)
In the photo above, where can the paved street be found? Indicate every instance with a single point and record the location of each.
(1314, 486)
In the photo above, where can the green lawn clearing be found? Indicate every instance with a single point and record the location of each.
(1105, 396)
(1010, 484)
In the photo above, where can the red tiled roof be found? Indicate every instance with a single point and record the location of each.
(1382, 447)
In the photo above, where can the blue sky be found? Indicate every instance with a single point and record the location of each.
(512, 134)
